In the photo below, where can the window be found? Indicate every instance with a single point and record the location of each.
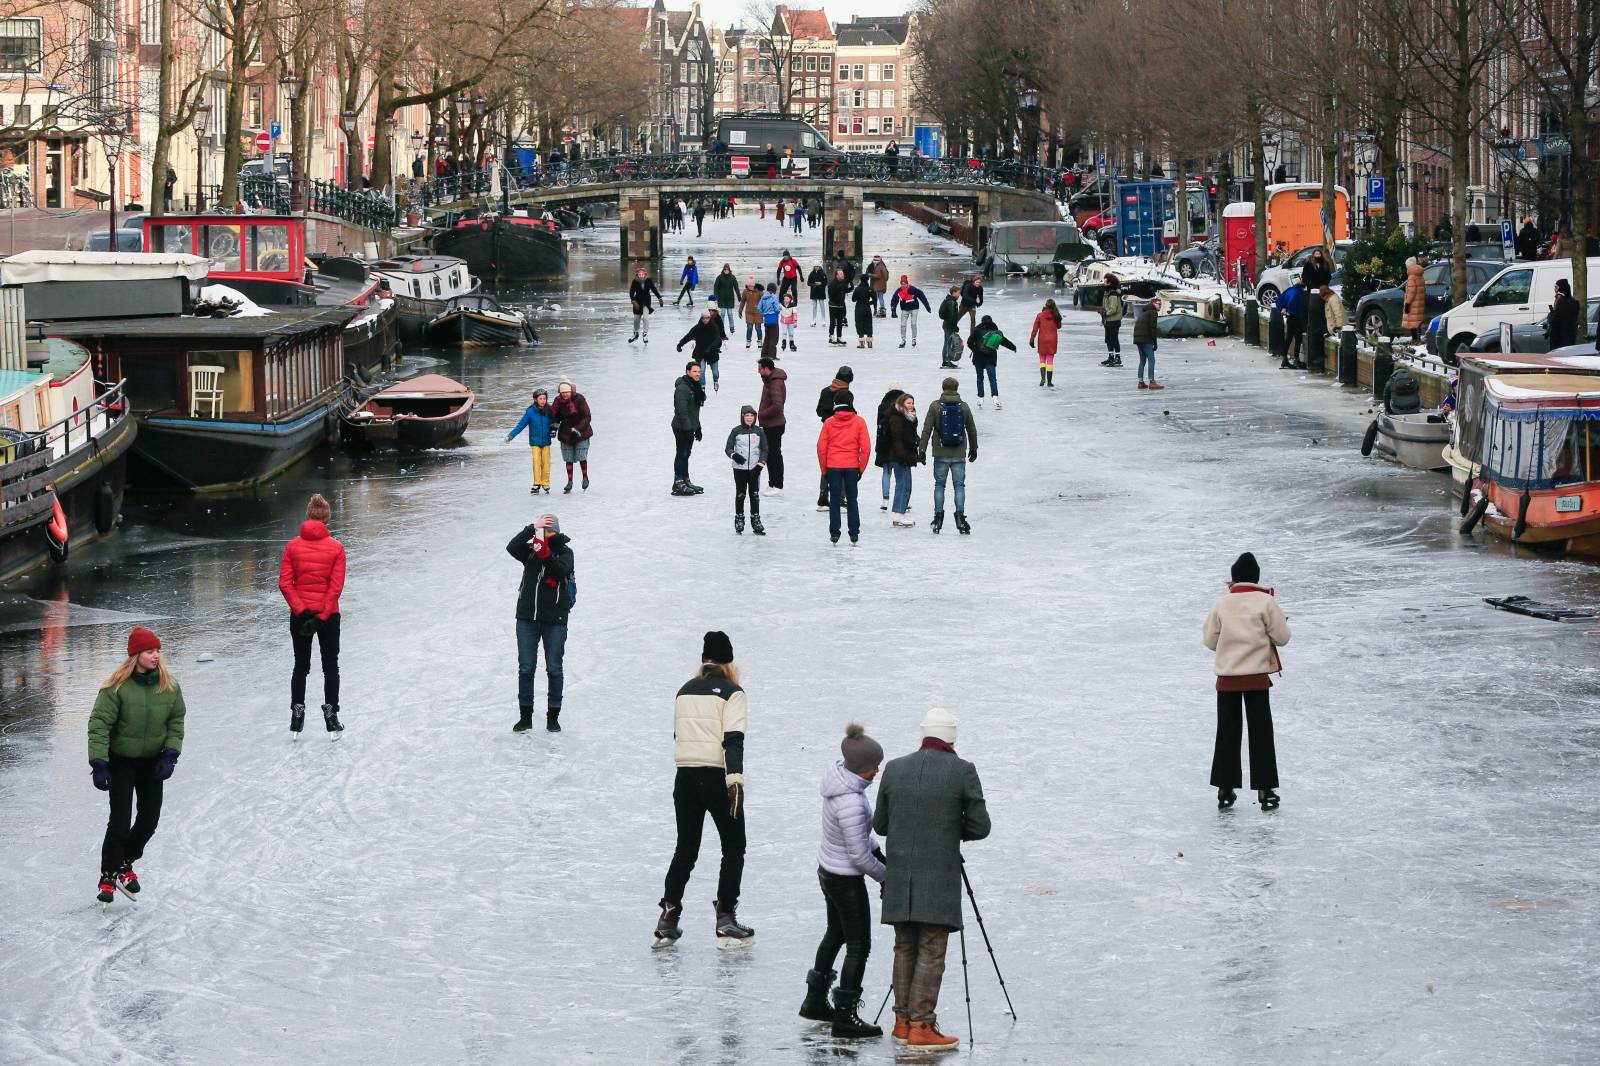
(750, 67)
(221, 244)
(857, 98)
(238, 377)
(873, 98)
(1512, 287)
(888, 98)
(21, 45)
(270, 248)
(794, 63)
(888, 72)
(855, 125)
(1437, 274)
(255, 108)
(872, 124)
(872, 72)
(827, 63)
(844, 127)
(844, 72)
(844, 97)
(150, 21)
(861, 72)
(811, 62)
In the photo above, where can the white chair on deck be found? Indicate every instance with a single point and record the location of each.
(205, 390)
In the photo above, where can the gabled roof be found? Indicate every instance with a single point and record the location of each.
(874, 30)
(801, 22)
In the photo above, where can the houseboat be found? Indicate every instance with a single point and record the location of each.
(64, 445)
(478, 321)
(421, 286)
(1462, 454)
(223, 403)
(1539, 483)
(265, 258)
(506, 247)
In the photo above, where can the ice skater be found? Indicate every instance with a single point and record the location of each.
(985, 343)
(536, 420)
(817, 283)
(863, 299)
(1144, 341)
(725, 291)
(904, 307)
(644, 295)
(838, 298)
(950, 318)
(844, 448)
(708, 727)
(848, 856)
(771, 309)
(954, 436)
(707, 336)
(688, 396)
(689, 277)
(1111, 320)
(135, 736)
(747, 447)
(789, 318)
(574, 429)
(1245, 628)
(1046, 325)
(311, 578)
(544, 600)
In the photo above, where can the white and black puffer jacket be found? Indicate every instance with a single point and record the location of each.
(747, 445)
(847, 842)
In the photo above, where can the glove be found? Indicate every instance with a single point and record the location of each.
(169, 763)
(972, 455)
(307, 623)
(735, 798)
(698, 435)
(102, 774)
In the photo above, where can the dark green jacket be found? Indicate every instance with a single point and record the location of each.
(930, 430)
(135, 721)
(1144, 327)
(928, 803)
(726, 291)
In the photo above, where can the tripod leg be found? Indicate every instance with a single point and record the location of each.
(884, 1004)
(981, 928)
(966, 987)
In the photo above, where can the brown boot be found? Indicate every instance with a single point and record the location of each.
(1156, 384)
(902, 1028)
(925, 1036)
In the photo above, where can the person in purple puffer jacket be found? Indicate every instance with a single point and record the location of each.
(849, 855)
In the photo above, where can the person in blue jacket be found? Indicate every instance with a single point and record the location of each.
(1292, 306)
(536, 420)
(689, 278)
(770, 310)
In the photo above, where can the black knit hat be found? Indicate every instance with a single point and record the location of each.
(844, 398)
(717, 648)
(845, 374)
(1246, 569)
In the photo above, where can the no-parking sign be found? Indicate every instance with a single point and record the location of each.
(740, 166)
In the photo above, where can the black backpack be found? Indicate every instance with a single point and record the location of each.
(1404, 393)
(952, 426)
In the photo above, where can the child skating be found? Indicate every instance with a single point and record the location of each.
(536, 420)
(747, 447)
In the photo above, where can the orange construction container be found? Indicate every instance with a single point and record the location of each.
(1294, 216)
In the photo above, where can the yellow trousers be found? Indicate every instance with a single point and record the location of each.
(541, 466)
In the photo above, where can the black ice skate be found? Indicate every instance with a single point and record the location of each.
(1268, 798)
(297, 718)
(667, 931)
(961, 523)
(128, 881)
(681, 488)
(756, 527)
(108, 889)
(330, 718)
(730, 934)
(938, 521)
(524, 718)
(738, 523)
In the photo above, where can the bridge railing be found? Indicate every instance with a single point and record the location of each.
(688, 166)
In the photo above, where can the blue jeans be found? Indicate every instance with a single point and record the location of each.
(727, 320)
(956, 468)
(877, 300)
(709, 370)
(1147, 356)
(842, 485)
(752, 331)
(994, 385)
(529, 636)
(887, 473)
(902, 488)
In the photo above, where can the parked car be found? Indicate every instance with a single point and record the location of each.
(1277, 278)
(1092, 200)
(128, 240)
(1202, 258)
(1490, 250)
(1520, 294)
(1536, 337)
(1380, 312)
(255, 168)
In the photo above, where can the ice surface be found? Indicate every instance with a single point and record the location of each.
(435, 889)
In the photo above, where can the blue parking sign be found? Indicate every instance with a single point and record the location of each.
(1508, 241)
(1377, 190)
(275, 129)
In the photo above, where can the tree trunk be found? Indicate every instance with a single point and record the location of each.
(1460, 175)
(299, 141)
(1258, 167)
(1389, 156)
(1330, 202)
(1582, 201)
(383, 175)
(239, 47)
(164, 123)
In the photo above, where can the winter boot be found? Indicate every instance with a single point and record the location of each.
(1154, 384)
(938, 521)
(1109, 360)
(730, 934)
(330, 718)
(869, 342)
(925, 1036)
(815, 1008)
(861, 342)
(127, 880)
(667, 931)
(1225, 798)
(756, 527)
(108, 888)
(846, 1022)
(297, 717)
(738, 523)
(902, 1027)
(1050, 378)
(1268, 799)
(524, 718)
(552, 720)
(1142, 385)
(961, 523)
(1041, 377)
(681, 488)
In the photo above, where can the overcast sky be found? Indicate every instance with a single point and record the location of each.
(725, 12)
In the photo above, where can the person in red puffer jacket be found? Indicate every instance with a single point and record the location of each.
(311, 577)
(844, 448)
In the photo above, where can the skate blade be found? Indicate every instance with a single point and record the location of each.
(132, 896)
(336, 736)
(662, 942)
(732, 943)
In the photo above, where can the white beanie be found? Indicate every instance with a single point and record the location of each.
(939, 723)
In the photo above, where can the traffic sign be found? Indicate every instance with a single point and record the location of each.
(1102, 161)
(1377, 190)
(277, 130)
(263, 141)
(1508, 241)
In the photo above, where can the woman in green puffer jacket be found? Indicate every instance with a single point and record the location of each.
(135, 735)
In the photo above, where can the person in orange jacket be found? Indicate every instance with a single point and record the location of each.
(844, 448)
(311, 577)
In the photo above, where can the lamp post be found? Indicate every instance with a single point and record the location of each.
(347, 122)
(291, 87)
(1270, 146)
(202, 120)
(1028, 102)
(113, 130)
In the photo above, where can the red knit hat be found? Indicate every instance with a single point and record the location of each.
(141, 640)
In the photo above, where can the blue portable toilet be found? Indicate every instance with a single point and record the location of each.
(927, 141)
(1143, 210)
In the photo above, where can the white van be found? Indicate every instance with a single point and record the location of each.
(1520, 294)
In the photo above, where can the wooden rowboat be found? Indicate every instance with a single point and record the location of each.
(424, 412)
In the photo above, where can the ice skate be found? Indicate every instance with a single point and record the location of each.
(680, 488)
(108, 890)
(128, 881)
(297, 719)
(980, 403)
(815, 1007)
(1109, 360)
(884, 506)
(330, 718)
(1225, 798)
(938, 521)
(667, 931)
(569, 486)
(846, 1022)
(756, 527)
(696, 489)
(902, 522)
(997, 404)
(738, 523)
(1268, 799)
(772, 492)
(854, 540)
(524, 719)
(961, 523)
(585, 483)
(730, 934)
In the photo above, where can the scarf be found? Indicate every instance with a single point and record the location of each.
(935, 744)
(904, 293)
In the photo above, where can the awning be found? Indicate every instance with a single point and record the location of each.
(41, 265)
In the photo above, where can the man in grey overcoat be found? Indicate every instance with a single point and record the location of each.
(928, 803)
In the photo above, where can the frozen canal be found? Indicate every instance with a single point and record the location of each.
(434, 889)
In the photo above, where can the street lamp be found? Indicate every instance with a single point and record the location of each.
(1028, 101)
(202, 120)
(1270, 147)
(113, 129)
(291, 86)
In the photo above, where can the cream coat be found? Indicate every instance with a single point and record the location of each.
(1243, 628)
(705, 710)
(1333, 310)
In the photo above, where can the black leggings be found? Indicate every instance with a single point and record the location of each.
(327, 638)
(1225, 772)
(698, 791)
(130, 778)
(747, 481)
(1114, 336)
(849, 926)
(836, 322)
